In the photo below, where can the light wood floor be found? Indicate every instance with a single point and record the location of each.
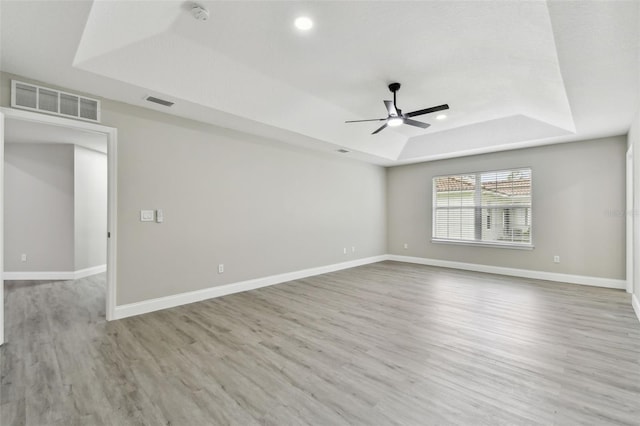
(382, 344)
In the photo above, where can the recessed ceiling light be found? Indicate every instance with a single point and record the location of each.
(303, 23)
(441, 116)
(394, 122)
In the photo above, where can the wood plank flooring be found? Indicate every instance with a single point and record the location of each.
(383, 344)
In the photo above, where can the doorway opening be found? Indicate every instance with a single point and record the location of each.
(59, 201)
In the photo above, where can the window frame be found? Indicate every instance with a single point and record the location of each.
(478, 208)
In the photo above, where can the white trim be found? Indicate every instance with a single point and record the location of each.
(40, 275)
(483, 244)
(146, 306)
(635, 302)
(1, 227)
(629, 220)
(112, 221)
(87, 272)
(151, 305)
(54, 275)
(523, 273)
(37, 117)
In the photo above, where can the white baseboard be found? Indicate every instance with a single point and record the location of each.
(39, 276)
(87, 272)
(138, 308)
(55, 275)
(146, 306)
(635, 302)
(523, 273)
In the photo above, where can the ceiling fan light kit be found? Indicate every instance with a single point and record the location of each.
(395, 122)
(395, 116)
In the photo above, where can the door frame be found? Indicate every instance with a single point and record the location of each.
(630, 219)
(112, 200)
(1, 226)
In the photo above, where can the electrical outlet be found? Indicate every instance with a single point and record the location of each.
(221, 268)
(406, 246)
(353, 249)
(23, 258)
(556, 259)
(344, 250)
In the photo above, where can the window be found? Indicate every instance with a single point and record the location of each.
(483, 208)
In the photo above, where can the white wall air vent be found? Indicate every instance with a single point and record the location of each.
(50, 101)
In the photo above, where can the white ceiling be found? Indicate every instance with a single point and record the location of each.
(515, 74)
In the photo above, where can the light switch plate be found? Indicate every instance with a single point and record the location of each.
(147, 215)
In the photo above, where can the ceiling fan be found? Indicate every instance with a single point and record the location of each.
(396, 117)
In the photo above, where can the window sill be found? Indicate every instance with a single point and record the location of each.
(485, 244)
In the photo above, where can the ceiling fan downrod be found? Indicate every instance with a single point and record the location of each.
(394, 87)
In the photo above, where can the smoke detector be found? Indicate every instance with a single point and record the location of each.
(199, 12)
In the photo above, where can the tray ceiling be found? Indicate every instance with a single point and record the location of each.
(514, 73)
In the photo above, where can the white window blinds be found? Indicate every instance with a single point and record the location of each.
(488, 207)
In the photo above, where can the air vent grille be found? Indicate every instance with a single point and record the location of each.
(51, 101)
(159, 101)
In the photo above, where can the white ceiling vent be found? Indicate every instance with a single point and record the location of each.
(51, 101)
(159, 101)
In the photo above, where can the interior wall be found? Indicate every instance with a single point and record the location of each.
(261, 207)
(38, 207)
(578, 197)
(90, 208)
(258, 206)
(233, 199)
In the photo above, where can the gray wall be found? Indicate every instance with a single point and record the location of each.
(578, 208)
(38, 207)
(263, 207)
(90, 208)
(234, 199)
(260, 207)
